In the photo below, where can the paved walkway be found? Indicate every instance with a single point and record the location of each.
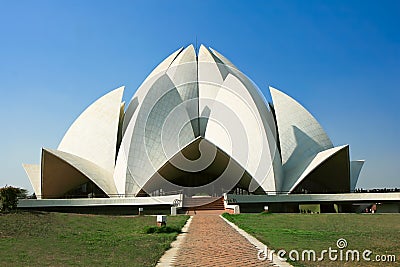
(210, 241)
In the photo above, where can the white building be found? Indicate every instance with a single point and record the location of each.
(196, 125)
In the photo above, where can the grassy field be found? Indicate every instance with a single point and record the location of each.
(379, 233)
(58, 239)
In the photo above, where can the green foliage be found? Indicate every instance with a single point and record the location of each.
(9, 197)
(161, 230)
(265, 213)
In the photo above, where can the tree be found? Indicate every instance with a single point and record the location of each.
(9, 197)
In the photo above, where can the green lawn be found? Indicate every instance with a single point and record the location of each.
(379, 233)
(59, 239)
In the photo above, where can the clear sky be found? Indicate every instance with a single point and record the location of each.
(340, 59)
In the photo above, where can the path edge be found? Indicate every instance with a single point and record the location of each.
(257, 243)
(169, 256)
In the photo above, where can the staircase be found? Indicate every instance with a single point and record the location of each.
(203, 205)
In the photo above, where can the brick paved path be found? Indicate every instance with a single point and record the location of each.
(210, 241)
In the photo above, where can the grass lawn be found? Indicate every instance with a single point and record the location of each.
(59, 239)
(379, 233)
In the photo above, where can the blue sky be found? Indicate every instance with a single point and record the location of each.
(340, 59)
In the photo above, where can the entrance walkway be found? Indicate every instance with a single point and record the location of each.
(210, 241)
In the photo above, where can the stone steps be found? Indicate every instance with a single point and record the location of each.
(204, 205)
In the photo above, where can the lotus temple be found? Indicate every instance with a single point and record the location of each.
(196, 133)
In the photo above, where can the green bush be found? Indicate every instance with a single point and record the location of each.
(162, 229)
(266, 213)
(9, 197)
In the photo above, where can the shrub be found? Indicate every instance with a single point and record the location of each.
(9, 197)
(162, 229)
(266, 213)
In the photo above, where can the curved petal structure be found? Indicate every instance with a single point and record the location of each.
(62, 172)
(183, 74)
(161, 68)
(301, 136)
(266, 117)
(355, 170)
(93, 136)
(33, 172)
(121, 171)
(199, 126)
(198, 96)
(325, 157)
